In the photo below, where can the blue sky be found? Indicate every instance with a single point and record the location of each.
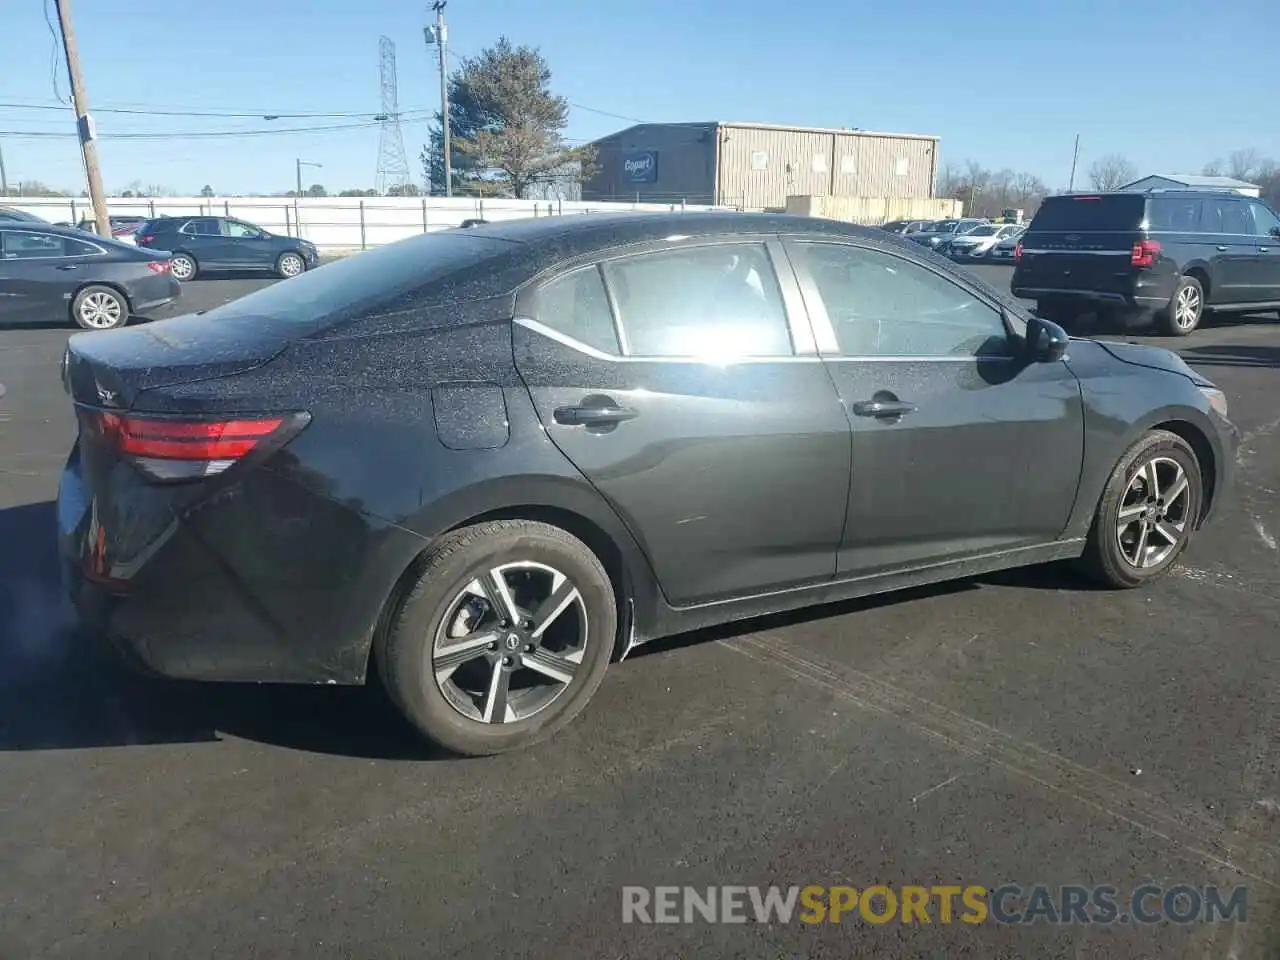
(1005, 82)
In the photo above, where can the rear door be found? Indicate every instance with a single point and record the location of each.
(1266, 228)
(683, 382)
(1082, 244)
(959, 447)
(1228, 228)
(202, 236)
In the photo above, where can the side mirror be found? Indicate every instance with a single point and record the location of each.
(1046, 341)
(1275, 232)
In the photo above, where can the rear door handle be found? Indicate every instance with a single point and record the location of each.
(883, 409)
(1263, 249)
(1222, 249)
(67, 266)
(584, 416)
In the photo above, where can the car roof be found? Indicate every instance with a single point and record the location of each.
(592, 231)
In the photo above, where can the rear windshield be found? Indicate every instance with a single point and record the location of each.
(367, 281)
(1110, 212)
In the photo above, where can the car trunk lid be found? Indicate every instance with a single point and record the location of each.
(114, 369)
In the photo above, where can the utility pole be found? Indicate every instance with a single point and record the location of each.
(4, 179)
(442, 39)
(84, 122)
(1074, 158)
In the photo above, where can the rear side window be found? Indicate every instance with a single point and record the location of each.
(1111, 212)
(1175, 214)
(1226, 215)
(203, 227)
(577, 306)
(711, 301)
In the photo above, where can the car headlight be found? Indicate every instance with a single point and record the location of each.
(1217, 399)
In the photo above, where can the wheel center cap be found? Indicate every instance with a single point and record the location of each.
(513, 641)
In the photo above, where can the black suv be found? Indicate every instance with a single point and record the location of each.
(200, 244)
(1163, 255)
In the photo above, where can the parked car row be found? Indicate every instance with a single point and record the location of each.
(968, 238)
(49, 271)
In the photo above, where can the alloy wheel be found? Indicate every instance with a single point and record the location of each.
(511, 643)
(1186, 308)
(1155, 513)
(101, 311)
(290, 265)
(181, 268)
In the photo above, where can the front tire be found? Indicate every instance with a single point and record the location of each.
(290, 265)
(1185, 310)
(503, 639)
(99, 308)
(1148, 512)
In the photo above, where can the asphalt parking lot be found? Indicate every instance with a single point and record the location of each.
(1021, 728)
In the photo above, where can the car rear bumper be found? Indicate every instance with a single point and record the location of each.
(150, 293)
(1145, 294)
(262, 582)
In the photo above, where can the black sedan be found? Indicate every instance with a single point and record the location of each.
(50, 273)
(206, 244)
(486, 463)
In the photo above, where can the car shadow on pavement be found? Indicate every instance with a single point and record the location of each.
(58, 692)
(1226, 355)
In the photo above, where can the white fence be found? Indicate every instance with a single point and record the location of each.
(333, 223)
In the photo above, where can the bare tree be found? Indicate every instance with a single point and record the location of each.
(1111, 172)
(1244, 164)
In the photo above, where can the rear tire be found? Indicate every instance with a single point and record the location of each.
(1147, 515)
(477, 679)
(1185, 310)
(100, 308)
(183, 266)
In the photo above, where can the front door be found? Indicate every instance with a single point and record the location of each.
(1266, 231)
(1233, 255)
(959, 448)
(683, 383)
(246, 248)
(38, 273)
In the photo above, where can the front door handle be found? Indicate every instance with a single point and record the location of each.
(67, 266)
(1222, 249)
(593, 416)
(883, 409)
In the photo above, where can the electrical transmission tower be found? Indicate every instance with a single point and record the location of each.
(393, 165)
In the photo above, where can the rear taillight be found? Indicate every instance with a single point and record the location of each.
(1144, 253)
(158, 266)
(1017, 250)
(168, 449)
(145, 238)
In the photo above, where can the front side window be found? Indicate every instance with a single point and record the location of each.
(20, 245)
(1265, 222)
(577, 306)
(234, 228)
(882, 305)
(712, 302)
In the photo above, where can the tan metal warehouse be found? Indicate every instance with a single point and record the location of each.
(758, 165)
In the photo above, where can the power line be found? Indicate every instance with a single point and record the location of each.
(195, 134)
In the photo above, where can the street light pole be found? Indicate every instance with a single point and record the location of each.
(442, 39)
